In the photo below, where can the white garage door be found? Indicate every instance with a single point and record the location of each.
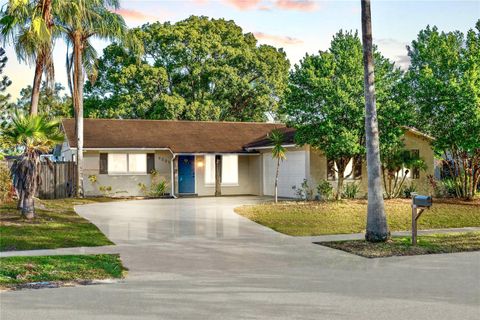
(292, 172)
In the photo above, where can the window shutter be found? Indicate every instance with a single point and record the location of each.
(103, 163)
(150, 162)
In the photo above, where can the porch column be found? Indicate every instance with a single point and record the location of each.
(218, 175)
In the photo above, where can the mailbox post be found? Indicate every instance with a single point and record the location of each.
(419, 204)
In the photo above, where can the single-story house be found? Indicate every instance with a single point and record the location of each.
(120, 154)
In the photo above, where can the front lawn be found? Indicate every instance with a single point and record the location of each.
(401, 246)
(349, 216)
(57, 225)
(15, 271)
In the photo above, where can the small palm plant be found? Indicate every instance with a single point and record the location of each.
(278, 152)
(34, 135)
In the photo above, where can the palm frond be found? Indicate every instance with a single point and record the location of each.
(277, 138)
(33, 132)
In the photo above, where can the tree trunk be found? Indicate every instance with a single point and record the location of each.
(377, 228)
(276, 180)
(28, 208)
(341, 167)
(341, 179)
(78, 107)
(20, 199)
(218, 176)
(42, 55)
(37, 82)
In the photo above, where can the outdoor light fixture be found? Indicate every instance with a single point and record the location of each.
(200, 164)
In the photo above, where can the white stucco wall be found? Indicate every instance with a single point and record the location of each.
(123, 184)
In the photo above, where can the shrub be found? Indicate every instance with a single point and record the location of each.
(325, 190)
(105, 190)
(351, 190)
(446, 188)
(409, 189)
(156, 189)
(304, 192)
(6, 187)
(159, 189)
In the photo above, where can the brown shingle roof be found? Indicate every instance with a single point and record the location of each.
(288, 138)
(179, 136)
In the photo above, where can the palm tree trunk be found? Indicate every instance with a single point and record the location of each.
(20, 199)
(37, 82)
(276, 180)
(28, 207)
(42, 56)
(377, 228)
(78, 106)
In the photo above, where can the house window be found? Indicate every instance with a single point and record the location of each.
(229, 169)
(122, 163)
(137, 163)
(117, 163)
(210, 169)
(353, 169)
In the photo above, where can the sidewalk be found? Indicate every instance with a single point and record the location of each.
(115, 249)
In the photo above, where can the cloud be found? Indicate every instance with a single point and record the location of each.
(279, 40)
(134, 15)
(395, 50)
(403, 61)
(267, 5)
(301, 5)
(244, 4)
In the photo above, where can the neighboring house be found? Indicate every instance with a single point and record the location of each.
(121, 153)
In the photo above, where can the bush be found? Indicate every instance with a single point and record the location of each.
(304, 192)
(409, 189)
(105, 190)
(325, 190)
(6, 187)
(159, 189)
(156, 189)
(351, 190)
(446, 188)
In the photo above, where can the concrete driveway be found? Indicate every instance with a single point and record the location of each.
(196, 259)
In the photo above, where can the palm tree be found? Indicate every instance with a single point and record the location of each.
(377, 228)
(29, 26)
(80, 21)
(278, 152)
(36, 135)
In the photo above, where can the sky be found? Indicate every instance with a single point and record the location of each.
(297, 26)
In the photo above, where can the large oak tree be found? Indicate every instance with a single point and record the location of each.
(195, 69)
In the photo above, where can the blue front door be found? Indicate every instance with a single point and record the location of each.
(186, 174)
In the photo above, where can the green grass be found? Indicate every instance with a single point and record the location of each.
(56, 226)
(16, 271)
(349, 216)
(401, 246)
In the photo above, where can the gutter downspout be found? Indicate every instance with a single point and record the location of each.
(174, 155)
